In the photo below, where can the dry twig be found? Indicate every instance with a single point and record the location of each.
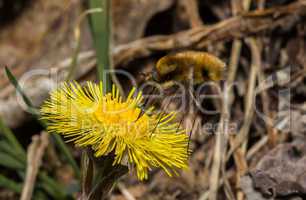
(34, 160)
(192, 10)
(249, 111)
(125, 192)
(219, 160)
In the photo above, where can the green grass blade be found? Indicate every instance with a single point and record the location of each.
(15, 161)
(10, 162)
(15, 83)
(61, 145)
(101, 31)
(53, 188)
(48, 183)
(58, 140)
(64, 149)
(9, 184)
(77, 35)
(40, 195)
(6, 147)
(9, 135)
(74, 60)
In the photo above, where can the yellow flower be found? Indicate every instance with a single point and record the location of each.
(112, 126)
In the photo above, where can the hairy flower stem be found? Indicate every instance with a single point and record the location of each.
(101, 176)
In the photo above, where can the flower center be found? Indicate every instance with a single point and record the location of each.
(120, 118)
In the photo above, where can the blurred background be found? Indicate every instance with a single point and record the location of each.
(263, 44)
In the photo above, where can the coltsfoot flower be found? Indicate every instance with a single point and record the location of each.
(111, 125)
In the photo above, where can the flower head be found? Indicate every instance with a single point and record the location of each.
(112, 126)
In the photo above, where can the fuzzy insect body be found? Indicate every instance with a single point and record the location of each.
(189, 66)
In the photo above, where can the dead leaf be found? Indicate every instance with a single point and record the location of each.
(282, 171)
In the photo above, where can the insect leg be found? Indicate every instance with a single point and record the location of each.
(194, 120)
(160, 116)
(179, 125)
(143, 108)
(191, 131)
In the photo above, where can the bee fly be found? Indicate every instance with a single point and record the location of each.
(187, 67)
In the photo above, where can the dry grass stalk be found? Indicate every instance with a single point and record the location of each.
(249, 107)
(192, 10)
(34, 160)
(219, 159)
(256, 147)
(125, 192)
